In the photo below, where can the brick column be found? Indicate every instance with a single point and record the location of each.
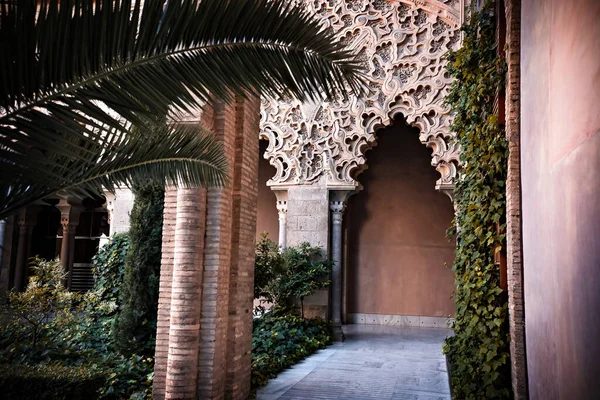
(186, 289)
(217, 263)
(204, 324)
(241, 285)
(513, 202)
(164, 297)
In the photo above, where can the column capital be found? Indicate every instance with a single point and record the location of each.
(337, 207)
(70, 211)
(27, 217)
(282, 206)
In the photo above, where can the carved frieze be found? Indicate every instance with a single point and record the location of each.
(402, 44)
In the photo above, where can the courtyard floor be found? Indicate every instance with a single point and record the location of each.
(375, 362)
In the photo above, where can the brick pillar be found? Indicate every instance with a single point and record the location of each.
(186, 290)
(164, 297)
(203, 343)
(217, 261)
(513, 203)
(241, 285)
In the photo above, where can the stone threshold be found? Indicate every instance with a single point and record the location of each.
(399, 320)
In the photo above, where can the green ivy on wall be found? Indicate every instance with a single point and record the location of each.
(479, 350)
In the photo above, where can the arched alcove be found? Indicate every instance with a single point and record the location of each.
(396, 232)
(266, 216)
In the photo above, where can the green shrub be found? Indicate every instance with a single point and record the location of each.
(279, 342)
(51, 382)
(46, 332)
(285, 278)
(102, 302)
(135, 326)
(41, 324)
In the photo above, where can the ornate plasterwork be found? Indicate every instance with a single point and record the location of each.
(402, 44)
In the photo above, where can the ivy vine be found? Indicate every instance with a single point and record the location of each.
(479, 350)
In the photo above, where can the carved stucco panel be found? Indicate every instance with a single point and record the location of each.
(402, 44)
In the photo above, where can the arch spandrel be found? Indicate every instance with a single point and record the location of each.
(402, 44)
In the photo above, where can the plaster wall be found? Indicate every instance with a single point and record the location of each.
(119, 205)
(560, 167)
(397, 243)
(267, 218)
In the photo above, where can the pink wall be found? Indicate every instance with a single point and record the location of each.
(560, 166)
(396, 232)
(267, 219)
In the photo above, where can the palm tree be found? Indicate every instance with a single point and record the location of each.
(77, 75)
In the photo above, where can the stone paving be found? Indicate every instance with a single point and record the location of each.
(375, 362)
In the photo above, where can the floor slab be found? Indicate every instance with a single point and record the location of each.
(375, 362)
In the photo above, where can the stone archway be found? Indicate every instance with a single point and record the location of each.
(402, 45)
(318, 149)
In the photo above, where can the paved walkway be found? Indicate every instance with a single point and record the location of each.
(375, 362)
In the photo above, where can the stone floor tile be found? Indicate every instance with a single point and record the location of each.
(375, 362)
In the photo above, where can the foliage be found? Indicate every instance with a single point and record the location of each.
(48, 382)
(479, 350)
(268, 261)
(135, 327)
(102, 302)
(281, 341)
(40, 324)
(293, 275)
(48, 331)
(76, 75)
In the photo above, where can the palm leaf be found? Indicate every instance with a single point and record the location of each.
(165, 154)
(64, 63)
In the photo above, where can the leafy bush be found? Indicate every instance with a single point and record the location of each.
(41, 323)
(284, 278)
(102, 302)
(281, 341)
(479, 350)
(268, 261)
(135, 326)
(51, 382)
(47, 331)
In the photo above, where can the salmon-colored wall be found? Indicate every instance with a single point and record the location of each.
(397, 243)
(267, 218)
(560, 169)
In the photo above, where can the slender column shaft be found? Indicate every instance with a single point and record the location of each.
(337, 210)
(69, 219)
(21, 263)
(282, 210)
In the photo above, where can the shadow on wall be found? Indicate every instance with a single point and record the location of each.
(397, 243)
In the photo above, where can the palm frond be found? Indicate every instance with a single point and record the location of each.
(64, 64)
(165, 154)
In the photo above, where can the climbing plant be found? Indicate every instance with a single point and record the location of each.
(135, 325)
(479, 350)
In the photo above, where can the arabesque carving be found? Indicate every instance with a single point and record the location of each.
(402, 44)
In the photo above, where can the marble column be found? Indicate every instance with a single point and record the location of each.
(337, 205)
(69, 219)
(282, 210)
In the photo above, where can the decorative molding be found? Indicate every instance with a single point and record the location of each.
(402, 44)
(417, 321)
